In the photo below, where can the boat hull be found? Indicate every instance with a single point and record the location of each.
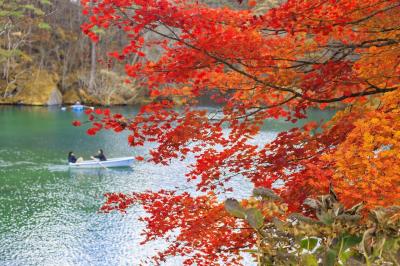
(114, 162)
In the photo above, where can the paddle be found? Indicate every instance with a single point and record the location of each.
(99, 162)
(102, 165)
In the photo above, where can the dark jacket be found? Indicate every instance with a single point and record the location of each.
(71, 159)
(101, 157)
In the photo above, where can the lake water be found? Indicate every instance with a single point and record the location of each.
(48, 213)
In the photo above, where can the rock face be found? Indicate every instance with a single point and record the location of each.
(37, 87)
(40, 87)
(55, 98)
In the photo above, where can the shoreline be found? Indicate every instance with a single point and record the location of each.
(61, 105)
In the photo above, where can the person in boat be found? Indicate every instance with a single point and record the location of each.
(100, 156)
(72, 158)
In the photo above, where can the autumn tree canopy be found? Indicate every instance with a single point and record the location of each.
(257, 63)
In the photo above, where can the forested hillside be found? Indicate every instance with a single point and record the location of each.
(45, 58)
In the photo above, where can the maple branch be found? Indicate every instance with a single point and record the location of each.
(378, 31)
(373, 14)
(366, 44)
(259, 109)
(352, 95)
(295, 93)
(235, 248)
(284, 31)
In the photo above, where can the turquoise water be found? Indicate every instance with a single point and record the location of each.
(48, 213)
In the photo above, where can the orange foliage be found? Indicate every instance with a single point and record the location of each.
(367, 167)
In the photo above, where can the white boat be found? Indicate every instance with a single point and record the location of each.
(114, 162)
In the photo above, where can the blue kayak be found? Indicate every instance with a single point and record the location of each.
(77, 107)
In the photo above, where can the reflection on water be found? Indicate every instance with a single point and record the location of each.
(48, 212)
(96, 172)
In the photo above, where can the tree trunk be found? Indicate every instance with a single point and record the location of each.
(92, 81)
(92, 78)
